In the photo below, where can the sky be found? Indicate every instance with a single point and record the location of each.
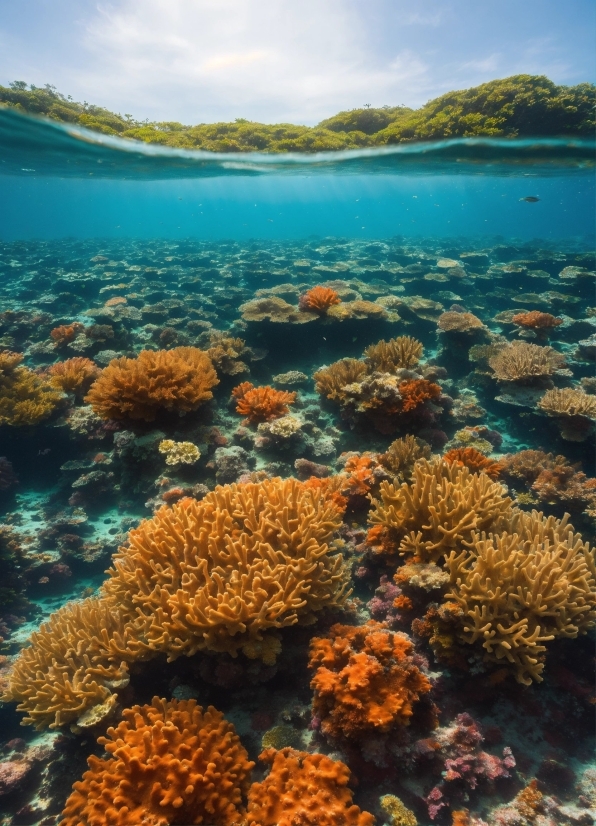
(297, 61)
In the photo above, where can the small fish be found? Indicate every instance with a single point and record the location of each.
(44, 452)
(530, 199)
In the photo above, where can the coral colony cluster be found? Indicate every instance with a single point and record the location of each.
(297, 534)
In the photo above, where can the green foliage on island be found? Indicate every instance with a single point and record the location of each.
(518, 106)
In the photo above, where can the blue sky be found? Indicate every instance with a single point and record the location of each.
(286, 60)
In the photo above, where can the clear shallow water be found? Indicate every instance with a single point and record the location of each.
(150, 248)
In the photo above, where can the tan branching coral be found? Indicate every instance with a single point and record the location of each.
(221, 574)
(519, 590)
(226, 353)
(574, 410)
(437, 511)
(74, 375)
(523, 362)
(170, 763)
(402, 455)
(177, 380)
(389, 356)
(25, 397)
(73, 666)
(330, 381)
(454, 322)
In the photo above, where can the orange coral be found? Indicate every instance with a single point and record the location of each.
(535, 320)
(474, 460)
(416, 391)
(330, 488)
(319, 299)
(261, 404)
(74, 375)
(365, 679)
(177, 380)
(361, 475)
(303, 790)
(66, 332)
(117, 299)
(170, 763)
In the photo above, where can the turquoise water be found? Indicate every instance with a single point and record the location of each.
(109, 249)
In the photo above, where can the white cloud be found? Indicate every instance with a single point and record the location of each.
(202, 60)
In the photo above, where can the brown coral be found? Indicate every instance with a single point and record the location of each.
(304, 789)
(402, 454)
(262, 404)
(226, 353)
(73, 666)
(66, 333)
(74, 375)
(474, 460)
(275, 309)
(319, 299)
(25, 397)
(397, 353)
(170, 763)
(221, 574)
(365, 680)
(454, 322)
(177, 380)
(330, 381)
(437, 511)
(527, 465)
(523, 362)
(519, 590)
(535, 320)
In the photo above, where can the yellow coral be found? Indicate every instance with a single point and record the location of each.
(521, 589)
(397, 813)
(438, 510)
(179, 453)
(522, 362)
(170, 763)
(73, 665)
(25, 398)
(219, 573)
(389, 356)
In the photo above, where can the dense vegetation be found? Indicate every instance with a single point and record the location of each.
(518, 106)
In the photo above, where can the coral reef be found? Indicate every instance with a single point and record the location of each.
(261, 404)
(170, 763)
(221, 574)
(365, 680)
(177, 380)
(521, 589)
(303, 788)
(441, 508)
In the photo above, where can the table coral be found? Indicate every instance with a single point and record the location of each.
(221, 574)
(261, 404)
(318, 299)
(459, 322)
(303, 790)
(25, 397)
(438, 510)
(535, 320)
(365, 680)
(388, 356)
(523, 362)
(574, 411)
(521, 589)
(474, 460)
(170, 763)
(71, 667)
(74, 375)
(177, 380)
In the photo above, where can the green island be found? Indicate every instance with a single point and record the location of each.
(514, 107)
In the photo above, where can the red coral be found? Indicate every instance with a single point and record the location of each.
(535, 320)
(261, 404)
(416, 391)
(319, 299)
(474, 460)
(365, 680)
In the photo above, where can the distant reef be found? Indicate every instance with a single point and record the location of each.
(515, 107)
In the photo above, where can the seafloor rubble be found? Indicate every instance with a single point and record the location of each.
(340, 491)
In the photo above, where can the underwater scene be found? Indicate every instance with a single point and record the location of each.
(297, 486)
